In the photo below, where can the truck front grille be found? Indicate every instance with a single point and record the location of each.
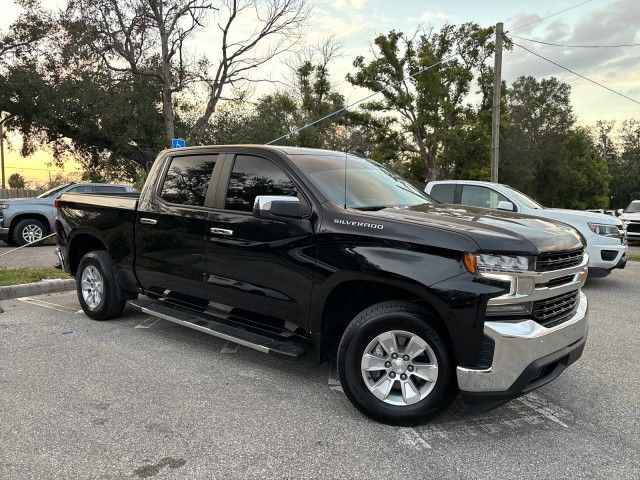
(555, 310)
(634, 227)
(557, 260)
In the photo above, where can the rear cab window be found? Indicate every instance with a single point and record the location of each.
(443, 192)
(478, 196)
(187, 179)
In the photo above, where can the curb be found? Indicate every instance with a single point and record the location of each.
(38, 288)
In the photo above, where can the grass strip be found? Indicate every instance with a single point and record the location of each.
(18, 276)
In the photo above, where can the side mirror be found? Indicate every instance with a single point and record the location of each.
(277, 207)
(504, 205)
(619, 212)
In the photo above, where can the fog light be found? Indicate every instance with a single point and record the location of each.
(509, 309)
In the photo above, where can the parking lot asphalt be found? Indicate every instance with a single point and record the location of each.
(140, 397)
(30, 257)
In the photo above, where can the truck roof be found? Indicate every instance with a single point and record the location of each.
(270, 148)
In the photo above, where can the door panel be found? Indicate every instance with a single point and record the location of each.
(260, 268)
(171, 230)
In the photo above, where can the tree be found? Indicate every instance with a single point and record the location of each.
(113, 82)
(423, 101)
(16, 181)
(32, 25)
(544, 154)
(142, 38)
(241, 53)
(625, 167)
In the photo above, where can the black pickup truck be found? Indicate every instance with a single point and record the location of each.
(288, 250)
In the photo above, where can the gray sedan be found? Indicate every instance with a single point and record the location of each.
(28, 220)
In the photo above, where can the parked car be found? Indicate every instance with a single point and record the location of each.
(630, 216)
(27, 220)
(284, 249)
(604, 234)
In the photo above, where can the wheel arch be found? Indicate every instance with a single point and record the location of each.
(79, 245)
(30, 216)
(349, 297)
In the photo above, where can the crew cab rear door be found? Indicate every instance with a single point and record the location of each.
(171, 226)
(258, 269)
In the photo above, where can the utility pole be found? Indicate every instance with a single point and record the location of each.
(495, 112)
(2, 149)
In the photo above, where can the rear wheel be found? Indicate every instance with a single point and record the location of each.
(394, 366)
(99, 294)
(28, 231)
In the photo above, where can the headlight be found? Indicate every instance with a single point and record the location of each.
(485, 262)
(3, 206)
(607, 230)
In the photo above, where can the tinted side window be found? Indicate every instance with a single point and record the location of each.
(484, 197)
(109, 189)
(81, 189)
(253, 176)
(187, 179)
(443, 192)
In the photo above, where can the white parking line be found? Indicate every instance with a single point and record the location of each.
(48, 305)
(147, 322)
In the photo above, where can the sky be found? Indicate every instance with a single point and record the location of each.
(355, 23)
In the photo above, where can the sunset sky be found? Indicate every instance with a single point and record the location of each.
(356, 22)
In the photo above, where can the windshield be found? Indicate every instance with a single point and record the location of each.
(634, 207)
(369, 185)
(523, 199)
(53, 191)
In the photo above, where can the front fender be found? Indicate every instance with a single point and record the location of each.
(435, 276)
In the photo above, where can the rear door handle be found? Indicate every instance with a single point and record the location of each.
(220, 231)
(148, 221)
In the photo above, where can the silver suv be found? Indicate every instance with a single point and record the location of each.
(27, 220)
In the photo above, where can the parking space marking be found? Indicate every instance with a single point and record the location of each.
(409, 437)
(48, 305)
(531, 410)
(544, 408)
(147, 322)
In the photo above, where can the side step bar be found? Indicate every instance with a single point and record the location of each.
(233, 334)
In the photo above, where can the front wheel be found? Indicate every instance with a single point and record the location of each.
(28, 231)
(394, 366)
(99, 294)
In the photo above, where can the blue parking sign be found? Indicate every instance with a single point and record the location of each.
(178, 143)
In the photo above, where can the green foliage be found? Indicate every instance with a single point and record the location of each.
(624, 163)
(544, 154)
(16, 181)
(426, 106)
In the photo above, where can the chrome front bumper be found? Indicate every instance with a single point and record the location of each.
(518, 344)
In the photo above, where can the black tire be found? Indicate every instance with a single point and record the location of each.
(22, 225)
(366, 326)
(114, 299)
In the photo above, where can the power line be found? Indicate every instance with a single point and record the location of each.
(549, 16)
(577, 46)
(326, 117)
(578, 74)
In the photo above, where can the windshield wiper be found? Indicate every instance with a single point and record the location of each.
(371, 208)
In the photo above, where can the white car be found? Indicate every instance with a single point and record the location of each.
(631, 219)
(604, 234)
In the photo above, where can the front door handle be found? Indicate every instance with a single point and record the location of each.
(220, 231)
(148, 221)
